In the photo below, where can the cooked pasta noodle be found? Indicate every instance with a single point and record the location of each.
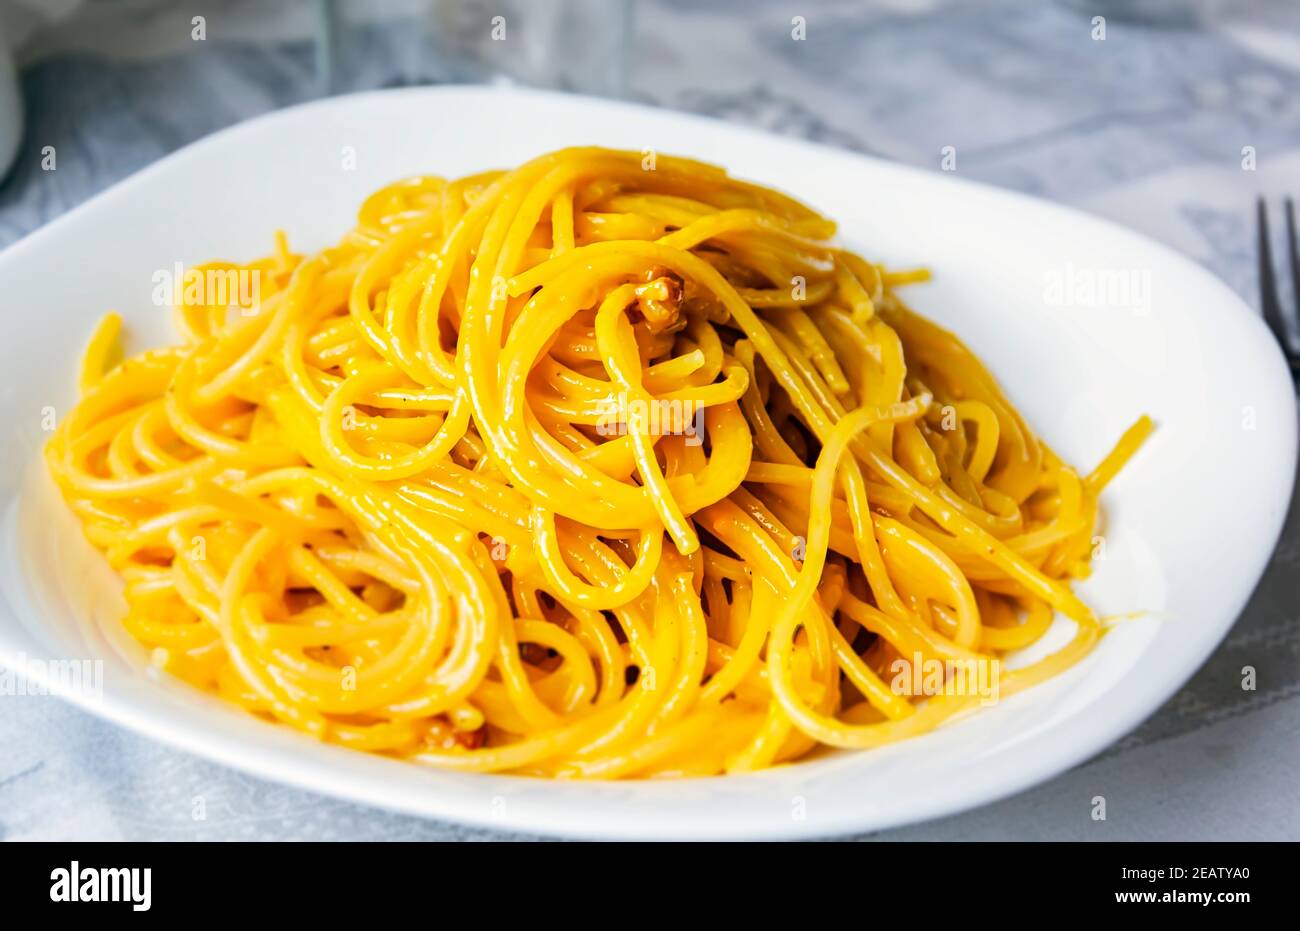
(591, 468)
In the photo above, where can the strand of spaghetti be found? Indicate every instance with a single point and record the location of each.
(1123, 450)
(615, 339)
(824, 729)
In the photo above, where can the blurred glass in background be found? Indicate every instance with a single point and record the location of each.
(573, 45)
(582, 46)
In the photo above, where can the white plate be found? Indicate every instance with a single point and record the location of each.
(1189, 524)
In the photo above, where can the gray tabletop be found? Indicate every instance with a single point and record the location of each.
(1172, 130)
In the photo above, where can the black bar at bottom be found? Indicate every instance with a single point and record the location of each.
(333, 880)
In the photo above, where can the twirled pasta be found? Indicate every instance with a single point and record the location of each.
(414, 499)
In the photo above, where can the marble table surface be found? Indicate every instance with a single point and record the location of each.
(1146, 127)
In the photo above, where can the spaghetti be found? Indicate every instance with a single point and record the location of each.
(592, 468)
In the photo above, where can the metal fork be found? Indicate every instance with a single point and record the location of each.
(1283, 321)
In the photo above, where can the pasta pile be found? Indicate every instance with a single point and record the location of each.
(607, 466)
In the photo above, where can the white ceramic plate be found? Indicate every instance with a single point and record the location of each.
(1086, 325)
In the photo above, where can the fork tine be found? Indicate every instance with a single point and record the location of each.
(1293, 259)
(1268, 296)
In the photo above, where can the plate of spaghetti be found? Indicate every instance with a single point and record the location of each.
(572, 467)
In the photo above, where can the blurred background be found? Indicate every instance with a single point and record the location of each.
(1071, 99)
(1170, 116)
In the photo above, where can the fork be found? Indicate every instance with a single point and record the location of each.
(1283, 321)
